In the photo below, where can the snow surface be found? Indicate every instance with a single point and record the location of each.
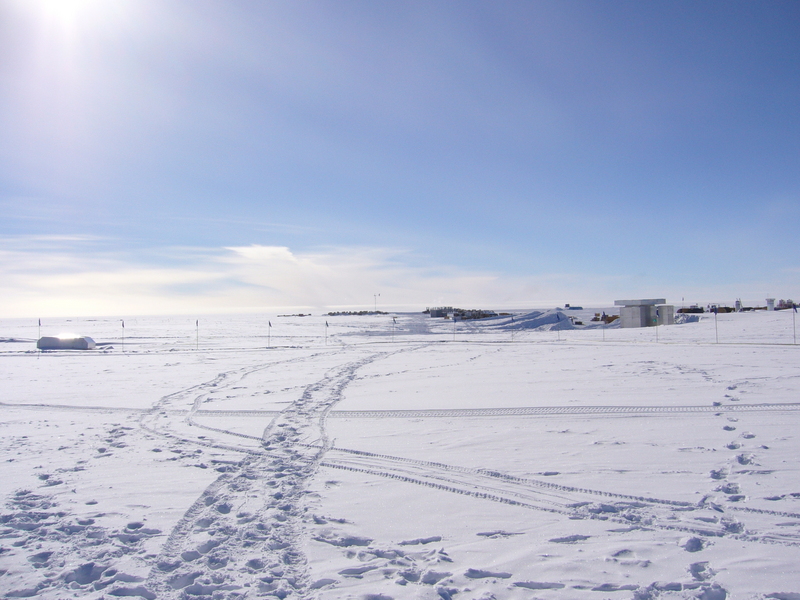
(368, 460)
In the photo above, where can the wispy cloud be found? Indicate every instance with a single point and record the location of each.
(37, 279)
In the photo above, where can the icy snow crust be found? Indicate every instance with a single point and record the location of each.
(417, 460)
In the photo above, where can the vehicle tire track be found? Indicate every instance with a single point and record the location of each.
(702, 518)
(556, 410)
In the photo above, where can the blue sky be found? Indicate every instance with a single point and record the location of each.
(191, 157)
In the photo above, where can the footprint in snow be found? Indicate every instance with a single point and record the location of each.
(434, 577)
(482, 574)
(719, 473)
(693, 544)
(700, 571)
(746, 459)
(570, 539)
(497, 534)
(421, 541)
(344, 541)
(729, 488)
(539, 585)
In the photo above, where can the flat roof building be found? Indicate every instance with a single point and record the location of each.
(645, 312)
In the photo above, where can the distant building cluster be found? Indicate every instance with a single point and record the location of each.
(446, 312)
(356, 313)
(739, 307)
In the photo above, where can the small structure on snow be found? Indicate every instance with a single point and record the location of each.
(77, 342)
(645, 313)
(437, 312)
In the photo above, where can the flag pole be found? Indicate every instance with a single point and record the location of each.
(40, 330)
(794, 320)
(269, 335)
(326, 333)
(716, 328)
(656, 325)
(123, 334)
(197, 334)
(394, 324)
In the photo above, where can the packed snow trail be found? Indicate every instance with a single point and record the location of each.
(243, 534)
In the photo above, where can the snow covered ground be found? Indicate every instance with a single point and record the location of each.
(375, 460)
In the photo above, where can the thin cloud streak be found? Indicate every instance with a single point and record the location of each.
(72, 281)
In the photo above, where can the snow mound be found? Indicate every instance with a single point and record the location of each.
(543, 320)
(682, 318)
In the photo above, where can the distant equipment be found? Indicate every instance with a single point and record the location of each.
(691, 310)
(64, 342)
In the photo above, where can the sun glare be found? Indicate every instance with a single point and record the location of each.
(70, 14)
(63, 10)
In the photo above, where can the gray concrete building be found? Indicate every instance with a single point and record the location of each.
(645, 312)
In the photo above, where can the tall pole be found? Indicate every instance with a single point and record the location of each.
(394, 324)
(326, 333)
(197, 334)
(716, 329)
(269, 335)
(40, 330)
(375, 297)
(656, 325)
(454, 326)
(794, 327)
(123, 334)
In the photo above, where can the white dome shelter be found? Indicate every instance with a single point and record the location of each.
(66, 342)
